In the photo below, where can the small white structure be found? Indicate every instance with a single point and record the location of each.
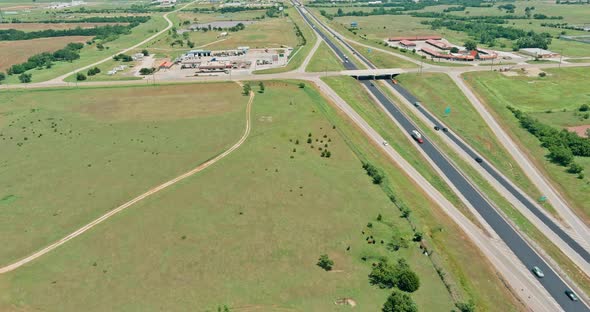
(223, 34)
(137, 56)
(539, 53)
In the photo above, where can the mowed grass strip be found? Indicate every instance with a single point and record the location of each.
(246, 232)
(437, 92)
(324, 59)
(16, 52)
(562, 89)
(70, 155)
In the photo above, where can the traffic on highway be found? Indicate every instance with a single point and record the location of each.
(551, 281)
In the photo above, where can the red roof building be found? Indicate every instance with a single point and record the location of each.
(415, 38)
(166, 64)
(407, 43)
(439, 44)
(452, 57)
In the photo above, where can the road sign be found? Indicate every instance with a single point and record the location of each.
(448, 110)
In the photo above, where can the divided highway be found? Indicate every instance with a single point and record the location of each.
(527, 255)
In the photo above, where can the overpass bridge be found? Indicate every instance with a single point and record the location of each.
(372, 74)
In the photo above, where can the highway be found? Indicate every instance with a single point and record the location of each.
(525, 253)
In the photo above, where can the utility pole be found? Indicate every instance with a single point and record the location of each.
(560, 58)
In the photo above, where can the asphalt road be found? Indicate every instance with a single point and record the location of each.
(551, 282)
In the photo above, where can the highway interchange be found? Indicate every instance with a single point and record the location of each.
(552, 282)
(577, 245)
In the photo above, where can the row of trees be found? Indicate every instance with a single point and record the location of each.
(93, 19)
(373, 172)
(488, 33)
(99, 32)
(46, 59)
(561, 144)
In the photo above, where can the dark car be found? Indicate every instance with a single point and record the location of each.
(571, 295)
(436, 128)
(445, 130)
(479, 160)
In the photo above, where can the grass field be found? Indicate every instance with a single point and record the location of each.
(562, 89)
(383, 60)
(324, 59)
(246, 232)
(67, 160)
(442, 232)
(299, 53)
(16, 52)
(438, 91)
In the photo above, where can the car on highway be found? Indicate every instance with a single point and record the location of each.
(571, 295)
(417, 104)
(436, 128)
(445, 130)
(417, 136)
(385, 143)
(479, 160)
(394, 81)
(538, 272)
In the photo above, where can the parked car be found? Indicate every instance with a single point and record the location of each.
(417, 136)
(538, 272)
(571, 295)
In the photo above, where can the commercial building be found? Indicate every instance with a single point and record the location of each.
(439, 44)
(415, 38)
(198, 53)
(450, 56)
(407, 43)
(540, 53)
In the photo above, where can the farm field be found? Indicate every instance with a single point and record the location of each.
(561, 89)
(213, 227)
(90, 54)
(15, 52)
(466, 279)
(436, 92)
(68, 160)
(324, 60)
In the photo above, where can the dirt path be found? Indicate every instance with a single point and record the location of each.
(128, 204)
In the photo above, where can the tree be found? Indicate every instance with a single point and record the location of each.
(93, 71)
(261, 86)
(470, 45)
(454, 50)
(147, 71)
(583, 107)
(80, 77)
(2, 76)
(145, 52)
(25, 78)
(561, 155)
(301, 85)
(325, 263)
(418, 236)
(246, 89)
(399, 302)
(99, 46)
(408, 281)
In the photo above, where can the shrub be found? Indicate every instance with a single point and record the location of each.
(147, 71)
(584, 108)
(466, 307)
(542, 74)
(301, 85)
(575, 168)
(325, 263)
(145, 52)
(80, 77)
(25, 78)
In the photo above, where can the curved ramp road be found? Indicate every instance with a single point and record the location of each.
(130, 203)
(525, 253)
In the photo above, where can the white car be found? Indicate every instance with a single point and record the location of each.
(385, 143)
(417, 136)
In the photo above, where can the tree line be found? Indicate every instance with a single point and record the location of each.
(93, 19)
(562, 145)
(99, 32)
(487, 33)
(46, 59)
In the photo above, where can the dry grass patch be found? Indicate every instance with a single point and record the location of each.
(15, 52)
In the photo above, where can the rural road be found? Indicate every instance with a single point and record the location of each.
(170, 24)
(137, 199)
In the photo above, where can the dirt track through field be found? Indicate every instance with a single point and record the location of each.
(128, 204)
